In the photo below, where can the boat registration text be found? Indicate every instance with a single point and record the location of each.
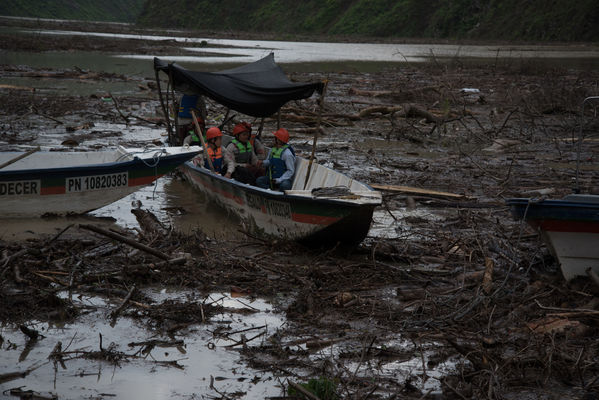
(272, 207)
(19, 188)
(96, 182)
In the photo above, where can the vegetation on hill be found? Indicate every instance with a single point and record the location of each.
(540, 20)
(546, 20)
(90, 10)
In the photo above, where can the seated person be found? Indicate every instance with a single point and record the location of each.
(247, 165)
(280, 164)
(256, 142)
(192, 138)
(222, 160)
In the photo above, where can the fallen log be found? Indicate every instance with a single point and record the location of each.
(10, 376)
(148, 222)
(7, 260)
(114, 315)
(303, 390)
(408, 94)
(419, 191)
(125, 240)
(14, 87)
(488, 275)
(405, 110)
(369, 93)
(30, 333)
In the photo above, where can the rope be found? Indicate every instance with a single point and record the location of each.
(154, 164)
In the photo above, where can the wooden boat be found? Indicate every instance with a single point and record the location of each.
(52, 182)
(326, 207)
(333, 207)
(570, 227)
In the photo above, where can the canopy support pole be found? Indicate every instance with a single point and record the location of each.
(260, 129)
(164, 110)
(317, 132)
(225, 119)
(175, 110)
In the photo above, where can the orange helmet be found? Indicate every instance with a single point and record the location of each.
(242, 127)
(213, 132)
(282, 134)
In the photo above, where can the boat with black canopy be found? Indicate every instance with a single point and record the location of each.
(323, 206)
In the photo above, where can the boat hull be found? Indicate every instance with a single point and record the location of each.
(569, 226)
(77, 189)
(274, 214)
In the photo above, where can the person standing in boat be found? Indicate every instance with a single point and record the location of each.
(188, 103)
(280, 164)
(247, 165)
(222, 160)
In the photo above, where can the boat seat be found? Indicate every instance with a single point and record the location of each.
(321, 176)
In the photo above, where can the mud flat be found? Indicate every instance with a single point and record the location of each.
(448, 297)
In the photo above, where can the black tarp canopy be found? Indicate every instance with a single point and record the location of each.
(258, 89)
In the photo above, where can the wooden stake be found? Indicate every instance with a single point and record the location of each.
(19, 157)
(199, 132)
(413, 190)
(126, 240)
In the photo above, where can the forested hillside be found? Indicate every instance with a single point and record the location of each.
(545, 20)
(540, 20)
(90, 10)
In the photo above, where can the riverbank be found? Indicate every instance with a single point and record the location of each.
(455, 300)
(130, 28)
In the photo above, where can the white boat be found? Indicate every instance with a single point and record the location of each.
(59, 183)
(332, 208)
(570, 227)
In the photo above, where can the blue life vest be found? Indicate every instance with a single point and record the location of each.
(216, 157)
(277, 166)
(188, 102)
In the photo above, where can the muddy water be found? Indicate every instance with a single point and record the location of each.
(201, 355)
(243, 51)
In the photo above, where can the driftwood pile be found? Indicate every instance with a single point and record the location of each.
(499, 313)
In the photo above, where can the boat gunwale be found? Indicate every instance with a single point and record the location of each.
(549, 203)
(126, 164)
(277, 195)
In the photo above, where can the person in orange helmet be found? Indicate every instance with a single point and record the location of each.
(222, 160)
(280, 164)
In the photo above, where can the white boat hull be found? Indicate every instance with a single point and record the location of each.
(59, 183)
(575, 251)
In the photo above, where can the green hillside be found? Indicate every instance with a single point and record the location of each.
(546, 20)
(542, 20)
(90, 10)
